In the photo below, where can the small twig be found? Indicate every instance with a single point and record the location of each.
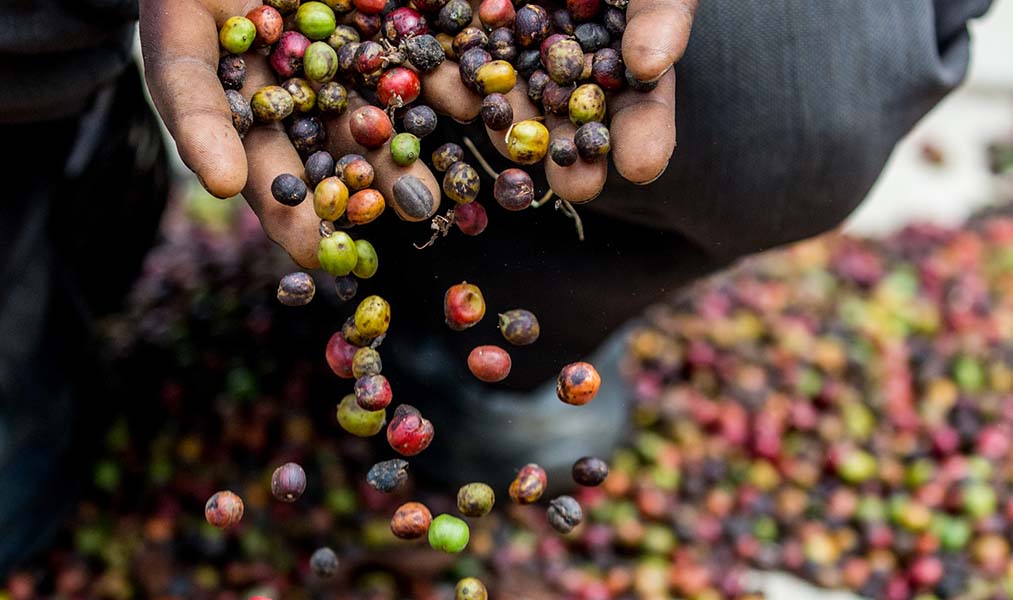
(441, 227)
(541, 201)
(570, 211)
(481, 159)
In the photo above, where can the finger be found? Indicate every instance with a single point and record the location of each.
(643, 131)
(656, 35)
(269, 154)
(580, 182)
(179, 42)
(523, 109)
(411, 191)
(444, 92)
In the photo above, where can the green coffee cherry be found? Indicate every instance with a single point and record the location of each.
(368, 262)
(337, 254)
(315, 20)
(448, 534)
(320, 62)
(359, 422)
(404, 149)
(237, 34)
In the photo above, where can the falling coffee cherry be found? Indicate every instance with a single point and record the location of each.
(463, 306)
(578, 383)
(288, 482)
(223, 509)
(529, 485)
(409, 433)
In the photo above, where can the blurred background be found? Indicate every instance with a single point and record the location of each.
(830, 419)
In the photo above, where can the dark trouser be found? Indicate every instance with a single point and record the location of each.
(787, 111)
(81, 206)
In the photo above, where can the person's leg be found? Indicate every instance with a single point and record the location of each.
(80, 212)
(787, 112)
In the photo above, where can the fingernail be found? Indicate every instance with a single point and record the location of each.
(412, 199)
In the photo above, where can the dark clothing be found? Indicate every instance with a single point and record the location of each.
(787, 111)
(56, 54)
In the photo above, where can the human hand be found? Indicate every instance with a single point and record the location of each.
(179, 41)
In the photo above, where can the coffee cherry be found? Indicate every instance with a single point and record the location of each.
(296, 289)
(583, 10)
(424, 52)
(519, 327)
(640, 86)
(409, 433)
(563, 151)
(470, 588)
(357, 421)
(496, 76)
(565, 514)
(315, 20)
(355, 171)
(242, 113)
(366, 362)
(320, 63)
(420, 121)
(237, 34)
(497, 114)
(514, 190)
(469, 64)
(346, 287)
(578, 383)
(564, 61)
(232, 71)
(367, 262)
(303, 96)
(337, 254)
(330, 198)
(531, 25)
(324, 563)
(353, 336)
(528, 61)
(527, 142)
(411, 521)
(471, 218)
(271, 103)
(463, 306)
(346, 57)
(332, 98)
(587, 104)
(319, 166)
(449, 534)
(367, 24)
(398, 86)
(370, 126)
(592, 37)
(364, 207)
(388, 475)
(269, 25)
(615, 21)
(607, 70)
(340, 354)
(475, 499)
(412, 199)
(529, 485)
(283, 6)
(343, 34)
(563, 21)
(288, 482)
(490, 364)
(537, 82)
(590, 471)
(307, 134)
(470, 38)
(454, 16)
(370, 57)
(372, 392)
(446, 155)
(372, 317)
(405, 149)
(592, 141)
(287, 56)
(496, 13)
(501, 45)
(371, 7)
(461, 183)
(223, 509)
(288, 189)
